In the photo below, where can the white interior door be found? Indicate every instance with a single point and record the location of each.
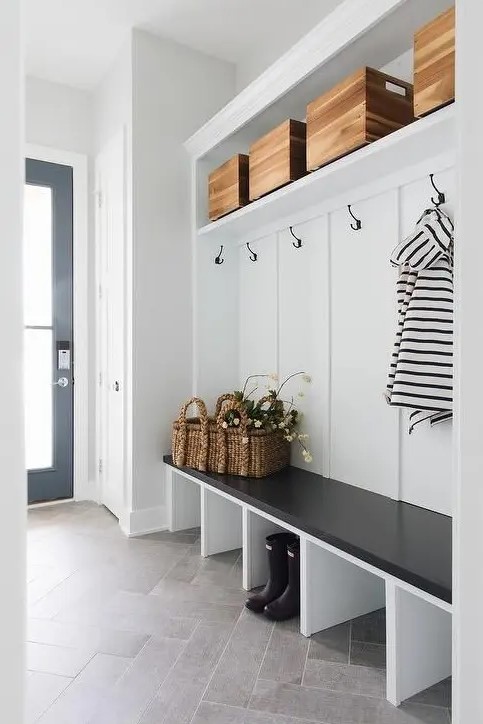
(111, 243)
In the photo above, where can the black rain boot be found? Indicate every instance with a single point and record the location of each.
(288, 605)
(276, 546)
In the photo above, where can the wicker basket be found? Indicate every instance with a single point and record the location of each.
(204, 444)
(191, 437)
(248, 452)
(195, 440)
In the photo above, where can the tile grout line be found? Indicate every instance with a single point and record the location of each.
(261, 665)
(38, 719)
(167, 674)
(216, 667)
(256, 711)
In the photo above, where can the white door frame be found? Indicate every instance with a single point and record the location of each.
(101, 194)
(78, 162)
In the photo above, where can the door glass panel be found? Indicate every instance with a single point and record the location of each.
(38, 398)
(37, 271)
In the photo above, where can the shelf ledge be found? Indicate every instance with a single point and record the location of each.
(422, 140)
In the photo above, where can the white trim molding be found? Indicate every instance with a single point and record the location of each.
(83, 488)
(142, 522)
(334, 34)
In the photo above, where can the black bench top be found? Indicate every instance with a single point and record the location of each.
(408, 542)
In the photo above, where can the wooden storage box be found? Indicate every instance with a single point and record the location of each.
(434, 64)
(363, 108)
(278, 158)
(228, 187)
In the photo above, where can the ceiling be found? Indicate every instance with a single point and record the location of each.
(75, 41)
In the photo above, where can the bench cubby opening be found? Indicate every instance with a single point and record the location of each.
(418, 641)
(221, 523)
(334, 590)
(255, 560)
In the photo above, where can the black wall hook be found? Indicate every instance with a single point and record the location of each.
(218, 259)
(441, 196)
(253, 255)
(298, 242)
(358, 225)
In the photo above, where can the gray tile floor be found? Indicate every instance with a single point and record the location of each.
(144, 631)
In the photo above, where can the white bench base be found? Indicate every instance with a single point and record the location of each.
(335, 586)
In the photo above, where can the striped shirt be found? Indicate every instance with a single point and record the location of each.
(421, 369)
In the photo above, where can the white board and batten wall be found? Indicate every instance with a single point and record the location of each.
(329, 309)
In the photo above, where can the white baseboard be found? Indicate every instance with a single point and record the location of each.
(144, 521)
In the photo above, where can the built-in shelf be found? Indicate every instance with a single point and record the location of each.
(425, 138)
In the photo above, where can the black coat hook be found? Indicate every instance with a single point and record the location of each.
(298, 242)
(358, 224)
(441, 196)
(253, 255)
(218, 259)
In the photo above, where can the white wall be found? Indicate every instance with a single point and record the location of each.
(12, 530)
(58, 116)
(468, 529)
(113, 99)
(175, 90)
(280, 39)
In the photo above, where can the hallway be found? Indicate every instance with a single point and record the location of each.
(144, 631)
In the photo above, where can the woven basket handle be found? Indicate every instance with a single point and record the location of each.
(223, 398)
(181, 451)
(233, 405)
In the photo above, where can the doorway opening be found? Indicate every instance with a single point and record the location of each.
(48, 330)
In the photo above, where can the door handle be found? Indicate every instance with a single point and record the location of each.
(61, 382)
(116, 386)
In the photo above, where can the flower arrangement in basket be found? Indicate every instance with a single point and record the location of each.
(270, 414)
(248, 436)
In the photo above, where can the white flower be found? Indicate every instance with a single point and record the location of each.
(258, 423)
(236, 421)
(289, 438)
(282, 425)
(307, 378)
(245, 440)
(307, 456)
(224, 424)
(274, 425)
(303, 436)
(273, 376)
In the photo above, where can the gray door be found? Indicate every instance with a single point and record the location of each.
(48, 330)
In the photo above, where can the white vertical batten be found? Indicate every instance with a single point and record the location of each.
(468, 442)
(14, 499)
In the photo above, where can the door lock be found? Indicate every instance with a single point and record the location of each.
(61, 382)
(116, 386)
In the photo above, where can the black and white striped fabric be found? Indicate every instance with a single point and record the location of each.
(421, 370)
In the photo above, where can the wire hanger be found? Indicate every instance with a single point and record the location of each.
(441, 196)
(298, 242)
(358, 225)
(218, 259)
(253, 255)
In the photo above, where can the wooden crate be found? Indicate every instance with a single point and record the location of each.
(363, 108)
(228, 187)
(434, 64)
(277, 158)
